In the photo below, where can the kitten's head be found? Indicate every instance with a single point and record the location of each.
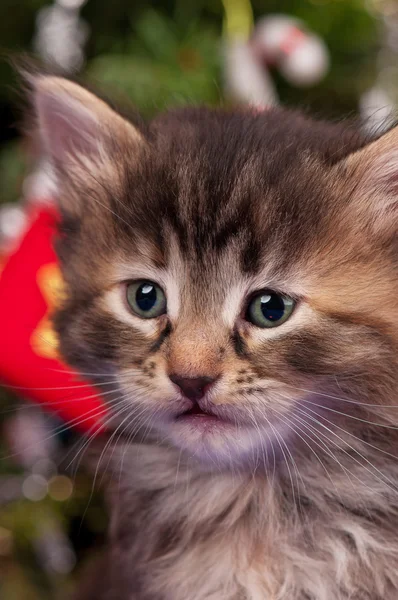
(235, 272)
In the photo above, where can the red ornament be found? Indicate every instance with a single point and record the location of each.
(30, 284)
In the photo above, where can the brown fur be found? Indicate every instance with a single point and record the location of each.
(297, 500)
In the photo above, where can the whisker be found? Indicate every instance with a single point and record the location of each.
(108, 444)
(88, 373)
(351, 434)
(66, 401)
(357, 452)
(285, 459)
(348, 473)
(265, 452)
(178, 469)
(112, 415)
(89, 415)
(294, 428)
(264, 448)
(96, 475)
(91, 436)
(130, 436)
(331, 397)
(348, 415)
(21, 388)
(326, 448)
(297, 472)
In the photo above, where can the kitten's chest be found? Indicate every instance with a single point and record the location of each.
(187, 536)
(202, 539)
(208, 561)
(177, 535)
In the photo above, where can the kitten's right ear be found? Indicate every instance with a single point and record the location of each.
(374, 172)
(78, 132)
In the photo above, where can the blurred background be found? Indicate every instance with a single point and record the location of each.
(334, 58)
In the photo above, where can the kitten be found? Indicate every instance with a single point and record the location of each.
(235, 275)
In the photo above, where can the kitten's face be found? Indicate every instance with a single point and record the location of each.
(227, 269)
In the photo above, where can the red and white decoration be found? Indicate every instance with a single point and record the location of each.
(280, 42)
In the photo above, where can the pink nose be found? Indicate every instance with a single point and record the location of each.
(193, 388)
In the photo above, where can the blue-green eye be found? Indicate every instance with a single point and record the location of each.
(146, 299)
(269, 309)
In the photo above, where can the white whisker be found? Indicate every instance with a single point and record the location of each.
(338, 412)
(386, 479)
(348, 400)
(294, 427)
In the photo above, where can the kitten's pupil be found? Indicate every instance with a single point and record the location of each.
(146, 296)
(272, 307)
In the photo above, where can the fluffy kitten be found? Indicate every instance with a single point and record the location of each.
(235, 275)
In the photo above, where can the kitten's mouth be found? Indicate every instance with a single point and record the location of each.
(196, 411)
(199, 416)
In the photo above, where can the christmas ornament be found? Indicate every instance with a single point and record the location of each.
(30, 288)
(300, 56)
(277, 41)
(61, 34)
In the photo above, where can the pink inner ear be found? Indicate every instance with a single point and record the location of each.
(67, 127)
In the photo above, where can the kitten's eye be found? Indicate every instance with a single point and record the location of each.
(146, 299)
(269, 309)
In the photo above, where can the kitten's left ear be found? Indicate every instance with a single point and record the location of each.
(73, 121)
(84, 139)
(373, 170)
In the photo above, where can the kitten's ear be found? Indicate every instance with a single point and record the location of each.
(78, 132)
(374, 172)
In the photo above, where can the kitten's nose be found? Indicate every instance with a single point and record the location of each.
(193, 388)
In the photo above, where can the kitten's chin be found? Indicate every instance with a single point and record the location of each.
(216, 441)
